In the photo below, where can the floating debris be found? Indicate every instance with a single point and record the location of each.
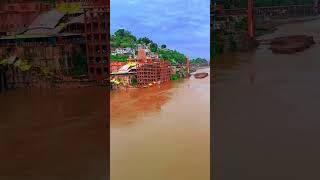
(200, 75)
(291, 44)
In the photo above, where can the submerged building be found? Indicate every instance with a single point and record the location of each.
(152, 70)
(17, 15)
(48, 43)
(97, 25)
(55, 41)
(143, 71)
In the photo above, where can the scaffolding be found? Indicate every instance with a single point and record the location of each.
(153, 72)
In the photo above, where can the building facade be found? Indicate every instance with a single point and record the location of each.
(97, 25)
(151, 70)
(17, 15)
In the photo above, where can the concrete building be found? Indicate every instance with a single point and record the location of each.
(97, 25)
(17, 15)
(49, 44)
(49, 40)
(123, 52)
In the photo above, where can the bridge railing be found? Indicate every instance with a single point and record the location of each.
(273, 11)
(285, 11)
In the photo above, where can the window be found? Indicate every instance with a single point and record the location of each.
(105, 70)
(91, 70)
(98, 71)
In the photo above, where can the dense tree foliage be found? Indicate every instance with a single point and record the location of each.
(163, 46)
(199, 61)
(144, 40)
(122, 38)
(118, 58)
(172, 55)
(80, 63)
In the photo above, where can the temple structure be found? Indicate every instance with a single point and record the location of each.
(143, 71)
(17, 15)
(55, 40)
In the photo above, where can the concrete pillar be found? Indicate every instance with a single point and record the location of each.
(1, 82)
(188, 66)
(250, 19)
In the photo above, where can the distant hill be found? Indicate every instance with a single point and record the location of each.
(199, 62)
(123, 38)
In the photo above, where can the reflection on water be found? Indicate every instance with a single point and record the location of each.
(47, 135)
(161, 132)
(129, 106)
(267, 112)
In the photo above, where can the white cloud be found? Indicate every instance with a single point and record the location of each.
(171, 22)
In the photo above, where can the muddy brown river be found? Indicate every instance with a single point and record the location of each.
(161, 132)
(266, 112)
(49, 136)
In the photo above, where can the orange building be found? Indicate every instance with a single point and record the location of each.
(115, 66)
(151, 70)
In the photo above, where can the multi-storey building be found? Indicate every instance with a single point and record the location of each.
(53, 39)
(50, 43)
(151, 70)
(97, 26)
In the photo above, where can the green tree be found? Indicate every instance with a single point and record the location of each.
(199, 61)
(122, 38)
(153, 47)
(172, 56)
(80, 63)
(163, 46)
(144, 40)
(118, 58)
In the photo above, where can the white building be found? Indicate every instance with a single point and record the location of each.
(123, 51)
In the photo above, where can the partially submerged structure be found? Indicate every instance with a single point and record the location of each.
(17, 15)
(143, 71)
(97, 27)
(50, 42)
(45, 44)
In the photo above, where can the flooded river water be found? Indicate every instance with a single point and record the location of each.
(162, 132)
(266, 112)
(48, 136)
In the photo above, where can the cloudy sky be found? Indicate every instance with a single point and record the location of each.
(183, 25)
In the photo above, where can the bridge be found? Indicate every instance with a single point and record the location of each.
(275, 12)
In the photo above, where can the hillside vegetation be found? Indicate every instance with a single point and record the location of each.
(123, 39)
(199, 61)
